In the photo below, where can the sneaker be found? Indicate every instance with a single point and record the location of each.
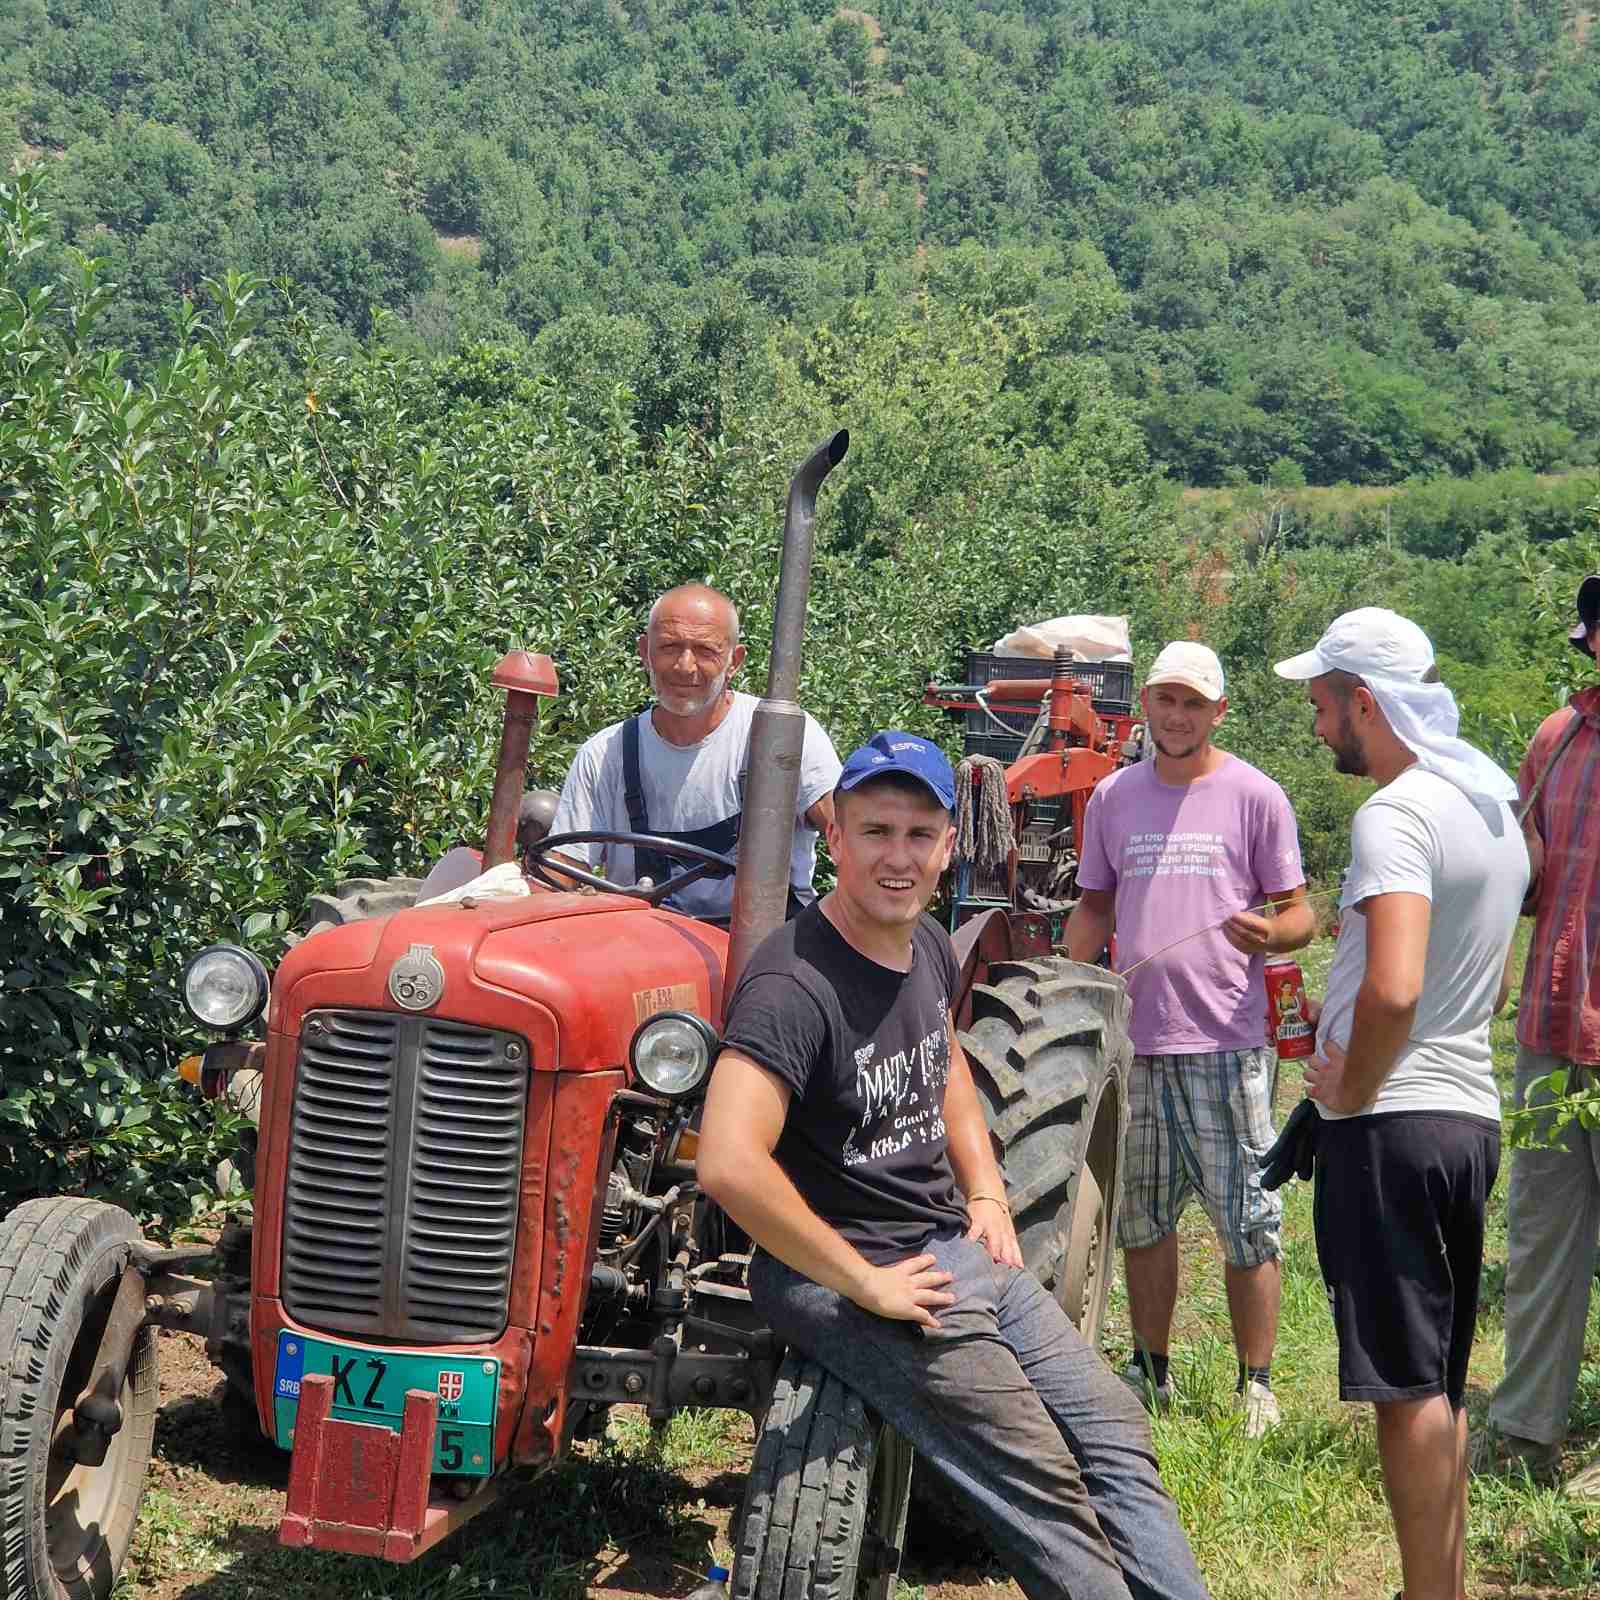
(1585, 1483)
(1260, 1409)
(1493, 1453)
(1153, 1396)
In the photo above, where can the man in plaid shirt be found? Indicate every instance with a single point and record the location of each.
(1554, 1204)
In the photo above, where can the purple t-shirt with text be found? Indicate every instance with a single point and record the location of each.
(1182, 858)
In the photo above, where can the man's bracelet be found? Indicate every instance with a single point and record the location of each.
(999, 1199)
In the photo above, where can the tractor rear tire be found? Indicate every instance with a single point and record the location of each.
(65, 1528)
(1050, 1055)
(825, 1504)
(357, 900)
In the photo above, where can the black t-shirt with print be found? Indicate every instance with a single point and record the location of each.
(866, 1053)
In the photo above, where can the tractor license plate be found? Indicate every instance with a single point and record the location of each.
(370, 1386)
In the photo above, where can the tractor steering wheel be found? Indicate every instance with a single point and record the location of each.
(533, 861)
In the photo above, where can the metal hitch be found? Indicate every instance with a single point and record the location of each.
(97, 1413)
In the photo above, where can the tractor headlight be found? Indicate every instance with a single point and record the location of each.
(225, 987)
(672, 1052)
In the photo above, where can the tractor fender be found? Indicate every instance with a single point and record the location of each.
(996, 935)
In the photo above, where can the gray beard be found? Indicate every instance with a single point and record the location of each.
(713, 693)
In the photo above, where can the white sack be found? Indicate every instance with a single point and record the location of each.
(1088, 638)
(504, 882)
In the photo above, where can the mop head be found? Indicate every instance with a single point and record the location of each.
(983, 819)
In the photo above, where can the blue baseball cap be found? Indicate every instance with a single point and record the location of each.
(894, 751)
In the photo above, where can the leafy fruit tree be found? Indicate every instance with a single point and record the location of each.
(1364, 242)
(250, 607)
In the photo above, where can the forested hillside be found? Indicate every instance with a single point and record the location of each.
(1325, 237)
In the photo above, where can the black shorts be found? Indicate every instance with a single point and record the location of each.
(1399, 1218)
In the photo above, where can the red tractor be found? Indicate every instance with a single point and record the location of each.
(475, 1220)
(1062, 726)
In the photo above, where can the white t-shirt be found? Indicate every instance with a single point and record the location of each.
(687, 787)
(1422, 835)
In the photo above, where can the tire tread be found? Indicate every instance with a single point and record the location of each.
(45, 1247)
(800, 1530)
(1045, 1035)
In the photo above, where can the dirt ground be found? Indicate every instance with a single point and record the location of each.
(232, 1484)
(216, 1472)
(209, 1474)
(209, 1529)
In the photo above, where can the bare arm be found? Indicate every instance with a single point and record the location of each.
(819, 814)
(553, 864)
(1386, 1003)
(977, 1173)
(1504, 992)
(1089, 926)
(1289, 929)
(1535, 843)
(745, 1110)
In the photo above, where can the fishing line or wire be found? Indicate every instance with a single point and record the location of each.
(1311, 894)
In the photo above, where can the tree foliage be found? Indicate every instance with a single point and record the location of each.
(1360, 241)
(250, 605)
(250, 600)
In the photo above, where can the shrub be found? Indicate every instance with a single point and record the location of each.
(250, 607)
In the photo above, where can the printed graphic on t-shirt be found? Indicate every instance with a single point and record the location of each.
(899, 1099)
(1180, 859)
(1174, 855)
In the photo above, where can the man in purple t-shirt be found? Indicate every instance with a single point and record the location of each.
(1191, 842)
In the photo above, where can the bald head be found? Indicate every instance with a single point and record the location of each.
(691, 650)
(699, 605)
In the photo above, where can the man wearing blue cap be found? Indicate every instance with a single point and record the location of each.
(843, 1133)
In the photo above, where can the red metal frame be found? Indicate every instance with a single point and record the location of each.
(364, 1490)
(1059, 774)
(1062, 770)
(598, 963)
(1082, 746)
(525, 678)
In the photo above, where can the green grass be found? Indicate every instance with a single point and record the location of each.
(629, 1511)
(174, 1537)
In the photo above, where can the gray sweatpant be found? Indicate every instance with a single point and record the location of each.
(1553, 1227)
(1010, 1405)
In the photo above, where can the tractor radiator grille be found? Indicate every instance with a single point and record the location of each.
(405, 1157)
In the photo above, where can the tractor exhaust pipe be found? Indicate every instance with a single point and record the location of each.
(777, 733)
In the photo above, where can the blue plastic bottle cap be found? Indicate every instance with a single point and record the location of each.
(717, 1575)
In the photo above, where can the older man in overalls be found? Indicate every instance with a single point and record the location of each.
(677, 770)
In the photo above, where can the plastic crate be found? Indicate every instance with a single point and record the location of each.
(1110, 689)
(1110, 682)
(991, 744)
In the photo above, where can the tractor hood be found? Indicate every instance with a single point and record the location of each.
(575, 974)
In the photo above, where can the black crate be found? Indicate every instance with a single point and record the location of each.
(1003, 747)
(1110, 682)
(1110, 688)
(993, 743)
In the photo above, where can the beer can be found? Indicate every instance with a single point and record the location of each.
(1286, 1011)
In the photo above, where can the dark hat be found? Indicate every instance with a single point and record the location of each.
(894, 751)
(1588, 613)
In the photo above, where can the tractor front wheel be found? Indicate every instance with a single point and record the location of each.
(65, 1526)
(825, 1503)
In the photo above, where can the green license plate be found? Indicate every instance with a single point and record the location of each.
(370, 1386)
